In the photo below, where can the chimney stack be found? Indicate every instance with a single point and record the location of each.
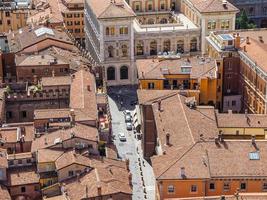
(99, 190)
(72, 117)
(183, 172)
(130, 179)
(237, 41)
(247, 40)
(168, 139)
(127, 164)
(159, 105)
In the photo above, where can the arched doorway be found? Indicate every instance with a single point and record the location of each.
(124, 72)
(193, 44)
(110, 51)
(166, 45)
(180, 46)
(140, 48)
(153, 47)
(111, 73)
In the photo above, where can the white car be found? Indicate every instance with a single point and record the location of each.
(129, 126)
(122, 137)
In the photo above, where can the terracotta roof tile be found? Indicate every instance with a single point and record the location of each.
(4, 193)
(204, 6)
(22, 176)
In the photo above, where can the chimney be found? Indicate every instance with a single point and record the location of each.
(168, 139)
(247, 40)
(261, 39)
(99, 190)
(237, 41)
(245, 48)
(72, 117)
(88, 88)
(182, 171)
(159, 105)
(220, 136)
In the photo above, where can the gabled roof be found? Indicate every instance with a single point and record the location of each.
(208, 6)
(108, 9)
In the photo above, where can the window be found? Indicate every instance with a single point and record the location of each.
(69, 23)
(36, 187)
(124, 72)
(150, 7)
(112, 31)
(123, 30)
(151, 85)
(170, 189)
(9, 115)
(33, 71)
(264, 186)
(212, 186)
(24, 114)
(77, 22)
(162, 6)
(243, 186)
(77, 30)
(8, 22)
(19, 162)
(211, 25)
(1, 22)
(233, 103)
(111, 73)
(226, 186)
(7, 14)
(193, 188)
(11, 162)
(193, 44)
(29, 160)
(71, 173)
(110, 51)
(237, 132)
(23, 189)
(107, 31)
(124, 50)
(140, 48)
(137, 7)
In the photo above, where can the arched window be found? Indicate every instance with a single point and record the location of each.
(150, 21)
(163, 21)
(193, 44)
(140, 48)
(124, 50)
(111, 73)
(110, 51)
(166, 45)
(180, 46)
(153, 47)
(107, 31)
(124, 72)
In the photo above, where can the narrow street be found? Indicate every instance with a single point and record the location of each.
(120, 99)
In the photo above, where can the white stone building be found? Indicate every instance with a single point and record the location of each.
(118, 32)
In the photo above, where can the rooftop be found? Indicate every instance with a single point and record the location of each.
(223, 160)
(25, 37)
(56, 81)
(109, 175)
(196, 67)
(208, 6)
(83, 95)
(78, 131)
(105, 9)
(38, 60)
(4, 193)
(22, 176)
(51, 113)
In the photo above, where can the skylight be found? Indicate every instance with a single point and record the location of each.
(254, 156)
(43, 30)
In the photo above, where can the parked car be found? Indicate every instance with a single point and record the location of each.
(122, 137)
(128, 116)
(129, 126)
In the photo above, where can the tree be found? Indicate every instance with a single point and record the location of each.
(242, 22)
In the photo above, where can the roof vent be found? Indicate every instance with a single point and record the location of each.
(261, 39)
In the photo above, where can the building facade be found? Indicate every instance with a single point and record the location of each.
(149, 28)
